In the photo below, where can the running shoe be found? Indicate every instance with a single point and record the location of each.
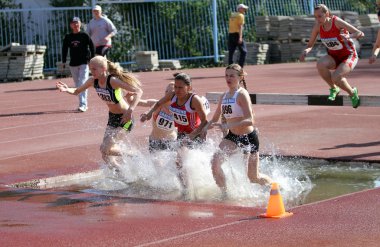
(333, 93)
(82, 108)
(355, 98)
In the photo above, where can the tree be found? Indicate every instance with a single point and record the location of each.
(68, 3)
(363, 6)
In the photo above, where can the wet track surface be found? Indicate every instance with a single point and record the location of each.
(42, 136)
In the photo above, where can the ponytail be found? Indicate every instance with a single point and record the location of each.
(127, 77)
(244, 83)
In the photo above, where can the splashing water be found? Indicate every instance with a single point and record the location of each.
(155, 176)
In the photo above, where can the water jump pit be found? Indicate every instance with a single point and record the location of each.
(301, 180)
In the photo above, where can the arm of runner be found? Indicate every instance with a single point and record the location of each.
(148, 115)
(147, 102)
(376, 49)
(215, 119)
(198, 106)
(354, 32)
(310, 44)
(73, 90)
(137, 92)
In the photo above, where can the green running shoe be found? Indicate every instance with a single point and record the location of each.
(333, 93)
(355, 99)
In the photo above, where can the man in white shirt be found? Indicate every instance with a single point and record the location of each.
(101, 30)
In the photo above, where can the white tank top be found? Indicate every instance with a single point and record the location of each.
(230, 107)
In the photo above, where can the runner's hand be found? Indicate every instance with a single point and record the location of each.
(62, 86)
(127, 115)
(145, 117)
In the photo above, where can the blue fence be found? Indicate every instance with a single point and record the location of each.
(183, 30)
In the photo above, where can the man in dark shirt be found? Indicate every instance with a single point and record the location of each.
(81, 51)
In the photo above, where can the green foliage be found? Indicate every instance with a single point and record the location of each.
(175, 29)
(363, 6)
(7, 32)
(68, 3)
(8, 4)
(293, 7)
(167, 27)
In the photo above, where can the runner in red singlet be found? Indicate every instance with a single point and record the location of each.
(190, 116)
(336, 35)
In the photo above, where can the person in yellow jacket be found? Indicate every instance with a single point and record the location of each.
(235, 35)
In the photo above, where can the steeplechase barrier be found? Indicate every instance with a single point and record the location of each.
(301, 99)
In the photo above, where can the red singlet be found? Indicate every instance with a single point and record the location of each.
(341, 49)
(185, 118)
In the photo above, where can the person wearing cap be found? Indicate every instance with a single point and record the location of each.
(235, 35)
(101, 30)
(81, 51)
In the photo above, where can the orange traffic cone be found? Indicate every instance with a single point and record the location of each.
(275, 207)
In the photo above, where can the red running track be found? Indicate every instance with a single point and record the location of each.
(42, 136)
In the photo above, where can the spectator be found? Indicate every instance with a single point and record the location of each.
(101, 29)
(81, 51)
(235, 35)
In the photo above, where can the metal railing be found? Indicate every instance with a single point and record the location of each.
(183, 30)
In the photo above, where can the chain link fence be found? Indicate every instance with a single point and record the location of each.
(182, 30)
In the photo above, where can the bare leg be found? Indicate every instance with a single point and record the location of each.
(324, 65)
(338, 76)
(113, 161)
(226, 149)
(181, 172)
(217, 171)
(253, 170)
(110, 150)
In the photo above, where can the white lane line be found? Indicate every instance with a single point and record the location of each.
(50, 122)
(56, 134)
(26, 106)
(356, 115)
(190, 234)
(45, 151)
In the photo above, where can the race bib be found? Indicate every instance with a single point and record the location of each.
(332, 43)
(206, 105)
(227, 109)
(179, 116)
(164, 121)
(104, 94)
(227, 105)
